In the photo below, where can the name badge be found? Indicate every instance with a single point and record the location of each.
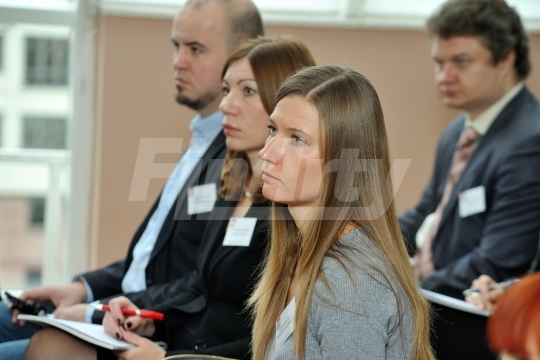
(202, 198)
(285, 324)
(240, 231)
(472, 201)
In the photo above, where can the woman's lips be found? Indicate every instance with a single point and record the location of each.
(228, 129)
(266, 177)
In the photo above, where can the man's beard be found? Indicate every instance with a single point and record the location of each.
(195, 104)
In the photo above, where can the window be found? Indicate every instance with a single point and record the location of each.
(44, 133)
(369, 13)
(33, 278)
(37, 36)
(46, 61)
(1, 52)
(37, 211)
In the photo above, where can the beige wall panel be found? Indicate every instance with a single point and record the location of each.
(135, 98)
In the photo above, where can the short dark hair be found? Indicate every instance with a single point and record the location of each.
(497, 25)
(244, 19)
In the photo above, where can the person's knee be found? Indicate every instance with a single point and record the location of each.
(51, 343)
(46, 333)
(42, 342)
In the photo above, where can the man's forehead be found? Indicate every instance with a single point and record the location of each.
(213, 10)
(455, 45)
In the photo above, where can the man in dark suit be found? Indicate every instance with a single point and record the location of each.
(479, 212)
(163, 253)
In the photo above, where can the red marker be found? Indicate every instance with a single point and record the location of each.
(147, 314)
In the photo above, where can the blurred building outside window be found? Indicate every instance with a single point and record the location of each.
(47, 61)
(44, 133)
(34, 155)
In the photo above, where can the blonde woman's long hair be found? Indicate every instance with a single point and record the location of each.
(357, 190)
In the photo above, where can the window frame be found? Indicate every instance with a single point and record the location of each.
(60, 263)
(380, 14)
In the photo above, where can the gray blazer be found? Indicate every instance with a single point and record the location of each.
(357, 318)
(502, 240)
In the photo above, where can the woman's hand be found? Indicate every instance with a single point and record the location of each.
(144, 349)
(115, 322)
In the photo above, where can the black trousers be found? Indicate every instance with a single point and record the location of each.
(459, 335)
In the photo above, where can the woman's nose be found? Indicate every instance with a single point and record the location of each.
(272, 150)
(227, 104)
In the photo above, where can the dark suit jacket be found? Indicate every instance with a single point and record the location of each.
(502, 240)
(214, 306)
(175, 253)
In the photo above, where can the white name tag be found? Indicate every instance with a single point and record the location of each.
(285, 324)
(239, 231)
(202, 198)
(472, 201)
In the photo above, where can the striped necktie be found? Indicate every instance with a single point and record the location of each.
(422, 262)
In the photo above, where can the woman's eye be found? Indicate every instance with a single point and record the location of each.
(249, 91)
(272, 129)
(226, 90)
(298, 140)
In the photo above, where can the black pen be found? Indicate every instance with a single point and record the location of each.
(503, 285)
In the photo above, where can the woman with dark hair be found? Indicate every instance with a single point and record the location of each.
(337, 283)
(209, 317)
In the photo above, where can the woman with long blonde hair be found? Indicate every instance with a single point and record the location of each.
(337, 283)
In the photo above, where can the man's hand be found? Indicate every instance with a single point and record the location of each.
(115, 322)
(75, 312)
(484, 298)
(422, 266)
(59, 295)
(144, 348)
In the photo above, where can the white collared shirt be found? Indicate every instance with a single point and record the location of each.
(483, 122)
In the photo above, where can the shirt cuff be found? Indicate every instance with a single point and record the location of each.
(89, 313)
(89, 292)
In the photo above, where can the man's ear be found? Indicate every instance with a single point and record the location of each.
(507, 63)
